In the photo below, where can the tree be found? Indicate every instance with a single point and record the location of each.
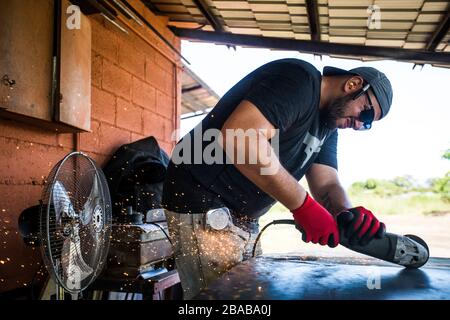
(446, 154)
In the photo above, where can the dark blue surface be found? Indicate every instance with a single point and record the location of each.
(294, 278)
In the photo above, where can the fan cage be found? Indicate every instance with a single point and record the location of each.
(77, 173)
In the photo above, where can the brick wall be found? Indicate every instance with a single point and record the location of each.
(136, 92)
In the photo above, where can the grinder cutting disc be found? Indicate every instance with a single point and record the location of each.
(424, 244)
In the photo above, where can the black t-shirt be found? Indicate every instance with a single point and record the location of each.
(287, 92)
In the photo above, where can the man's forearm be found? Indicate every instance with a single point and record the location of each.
(333, 198)
(279, 183)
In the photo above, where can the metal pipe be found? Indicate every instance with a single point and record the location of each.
(145, 39)
(124, 10)
(114, 23)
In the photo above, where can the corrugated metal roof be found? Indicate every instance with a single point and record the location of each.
(406, 24)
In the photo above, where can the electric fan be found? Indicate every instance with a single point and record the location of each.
(75, 223)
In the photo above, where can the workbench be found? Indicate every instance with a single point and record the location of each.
(305, 277)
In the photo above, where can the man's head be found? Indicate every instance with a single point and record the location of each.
(358, 97)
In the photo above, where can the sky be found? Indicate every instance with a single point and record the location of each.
(409, 141)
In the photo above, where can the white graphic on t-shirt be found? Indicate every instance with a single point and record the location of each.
(313, 145)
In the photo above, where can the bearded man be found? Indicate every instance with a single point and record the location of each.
(213, 199)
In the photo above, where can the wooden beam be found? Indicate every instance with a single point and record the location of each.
(440, 32)
(313, 18)
(213, 21)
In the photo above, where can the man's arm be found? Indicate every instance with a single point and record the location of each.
(324, 184)
(280, 185)
(315, 222)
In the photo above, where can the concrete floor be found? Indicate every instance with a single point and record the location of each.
(306, 277)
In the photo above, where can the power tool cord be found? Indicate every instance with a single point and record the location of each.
(281, 221)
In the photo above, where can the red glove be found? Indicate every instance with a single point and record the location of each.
(364, 227)
(316, 223)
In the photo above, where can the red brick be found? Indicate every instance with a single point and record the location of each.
(167, 147)
(164, 105)
(100, 159)
(116, 80)
(131, 58)
(160, 24)
(129, 116)
(66, 141)
(104, 41)
(141, 45)
(89, 141)
(164, 63)
(111, 138)
(136, 137)
(154, 125)
(103, 106)
(15, 199)
(150, 54)
(96, 69)
(154, 75)
(25, 132)
(169, 130)
(25, 162)
(168, 84)
(104, 139)
(143, 94)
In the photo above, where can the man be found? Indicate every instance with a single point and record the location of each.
(295, 113)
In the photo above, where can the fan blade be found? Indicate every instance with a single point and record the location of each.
(74, 266)
(61, 201)
(91, 202)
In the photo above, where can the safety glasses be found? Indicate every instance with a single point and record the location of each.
(368, 114)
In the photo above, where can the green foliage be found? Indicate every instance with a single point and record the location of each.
(442, 186)
(396, 186)
(446, 155)
(412, 203)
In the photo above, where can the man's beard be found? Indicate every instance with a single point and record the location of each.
(330, 113)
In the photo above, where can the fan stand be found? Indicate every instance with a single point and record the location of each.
(53, 291)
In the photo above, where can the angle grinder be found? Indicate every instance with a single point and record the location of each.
(408, 250)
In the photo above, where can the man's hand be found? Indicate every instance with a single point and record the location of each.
(316, 223)
(361, 226)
